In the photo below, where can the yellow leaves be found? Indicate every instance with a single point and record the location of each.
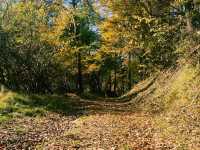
(25, 21)
(62, 21)
(98, 56)
(52, 34)
(109, 32)
(93, 67)
(110, 37)
(29, 22)
(119, 31)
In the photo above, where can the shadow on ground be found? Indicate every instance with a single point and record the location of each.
(34, 105)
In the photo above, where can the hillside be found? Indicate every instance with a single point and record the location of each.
(173, 99)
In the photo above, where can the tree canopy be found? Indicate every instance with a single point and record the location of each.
(102, 46)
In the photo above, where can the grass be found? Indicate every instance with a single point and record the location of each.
(16, 105)
(13, 106)
(181, 116)
(174, 104)
(4, 118)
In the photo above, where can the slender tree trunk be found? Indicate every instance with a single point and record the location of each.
(2, 79)
(115, 76)
(129, 71)
(123, 87)
(189, 27)
(98, 82)
(110, 83)
(80, 78)
(79, 63)
(67, 83)
(108, 86)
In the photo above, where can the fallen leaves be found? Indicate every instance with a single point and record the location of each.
(102, 126)
(27, 133)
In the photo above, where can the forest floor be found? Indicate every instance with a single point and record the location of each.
(72, 123)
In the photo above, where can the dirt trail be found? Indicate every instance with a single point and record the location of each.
(100, 126)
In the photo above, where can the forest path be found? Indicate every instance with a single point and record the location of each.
(99, 125)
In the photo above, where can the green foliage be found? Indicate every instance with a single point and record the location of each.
(195, 19)
(28, 63)
(19, 105)
(103, 47)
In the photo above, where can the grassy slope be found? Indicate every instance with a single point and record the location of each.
(174, 102)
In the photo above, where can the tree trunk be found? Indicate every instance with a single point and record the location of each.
(129, 71)
(98, 82)
(67, 83)
(189, 27)
(80, 78)
(2, 79)
(115, 75)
